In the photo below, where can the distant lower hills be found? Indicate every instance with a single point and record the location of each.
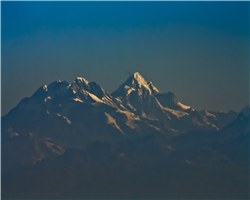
(77, 141)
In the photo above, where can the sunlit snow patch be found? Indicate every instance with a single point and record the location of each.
(67, 120)
(77, 99)
(183, 106)
(95, 98)
(47, 98)
(112, 121)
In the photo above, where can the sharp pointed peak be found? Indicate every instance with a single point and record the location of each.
(138, 78)
(137, 74)
(80, 78)
(136, 81)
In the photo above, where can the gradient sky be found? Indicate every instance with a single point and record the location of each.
(197, 50)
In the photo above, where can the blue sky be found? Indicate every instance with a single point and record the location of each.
(197, 50)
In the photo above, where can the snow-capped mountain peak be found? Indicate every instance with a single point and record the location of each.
(139, 79)
(139, 82)
(85, 90)
(51, 90)
(82, 80)
(80, 84)
(135, 83)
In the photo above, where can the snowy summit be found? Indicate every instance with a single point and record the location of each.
(135, 82)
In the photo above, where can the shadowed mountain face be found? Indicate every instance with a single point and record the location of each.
(78, 141)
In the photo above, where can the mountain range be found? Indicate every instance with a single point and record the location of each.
(78, 141)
